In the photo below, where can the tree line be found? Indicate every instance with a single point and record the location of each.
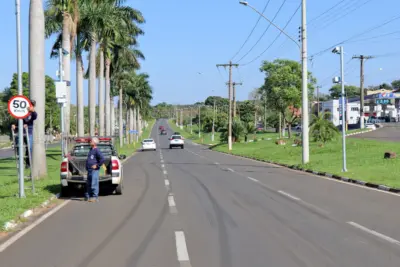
(108, 32)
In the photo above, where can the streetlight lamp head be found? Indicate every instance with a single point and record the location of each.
(336, 50)
(243, 3)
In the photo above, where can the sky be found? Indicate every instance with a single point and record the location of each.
(184, 40)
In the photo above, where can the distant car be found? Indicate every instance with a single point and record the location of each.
(176, 141)
(148, 144)
(163, 132)
(370, 126)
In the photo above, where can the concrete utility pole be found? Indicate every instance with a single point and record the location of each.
(181, 119)
(234, 97)
(362, 58)
(230, 65)
(318, 87)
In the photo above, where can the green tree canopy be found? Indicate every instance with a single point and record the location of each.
(219, 101)
(282, 84)
(52, 111)
(350, 91)
(396, 84)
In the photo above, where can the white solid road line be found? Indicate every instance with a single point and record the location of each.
(289, 195)
(254, 180)
(181, 248)
(171, 201)
(172, 204)
(372, 232)
(166, 182)
(24, 231)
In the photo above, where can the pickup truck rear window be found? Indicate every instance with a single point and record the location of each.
(83, 150)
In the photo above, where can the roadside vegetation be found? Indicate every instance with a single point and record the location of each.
(11, 206)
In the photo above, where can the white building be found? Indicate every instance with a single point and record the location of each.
(378, 113)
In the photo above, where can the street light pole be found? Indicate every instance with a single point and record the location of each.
(340, 50)
(303, 48)
(199, 122)
(20, 92)
(60, 69)
(213, 125)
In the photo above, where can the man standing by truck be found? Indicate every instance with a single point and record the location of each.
(94, 161)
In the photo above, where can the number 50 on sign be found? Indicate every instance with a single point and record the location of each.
(18, 106)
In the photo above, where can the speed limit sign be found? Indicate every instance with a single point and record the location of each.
(18, 106)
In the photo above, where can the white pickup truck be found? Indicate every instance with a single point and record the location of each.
(73, 173)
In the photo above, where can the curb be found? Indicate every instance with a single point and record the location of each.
(10, 225)
(371, 130)
(325, 174)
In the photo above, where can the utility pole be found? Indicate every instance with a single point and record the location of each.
(318, 87)
(234, 97)
(362, 58)
(230, 65)
(304, 110)
(199, 123)
(181, 119)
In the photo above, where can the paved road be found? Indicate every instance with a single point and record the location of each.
(386, 133)
(195, 207)
(8, 153)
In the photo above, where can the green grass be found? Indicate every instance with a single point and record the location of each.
(364, 158)
(11, 206)
(4, 145)
(206, 137)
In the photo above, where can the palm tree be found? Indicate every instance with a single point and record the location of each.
(36, 84)
(322, 130)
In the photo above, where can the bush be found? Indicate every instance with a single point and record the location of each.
(321, 129)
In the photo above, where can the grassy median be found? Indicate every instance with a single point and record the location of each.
(11, 206)
(364, 158)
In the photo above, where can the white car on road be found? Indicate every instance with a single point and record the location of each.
(370, 126)
(148, 144)
(176, 141)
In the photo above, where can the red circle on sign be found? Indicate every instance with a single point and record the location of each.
(9, 105)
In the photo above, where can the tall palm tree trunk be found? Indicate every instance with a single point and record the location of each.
(108, 107)
(112, 115)
(101, 94)
(131, 125)
(37, 85)
(92, 87)
(127, 126)
(66, 45)
(79, 96)
(139, 122)
(121, 126)
(134, 120)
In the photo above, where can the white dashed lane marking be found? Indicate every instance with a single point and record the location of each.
(181, 249)
(289, 195)
(377, 234)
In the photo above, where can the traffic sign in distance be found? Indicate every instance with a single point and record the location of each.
(18, 106)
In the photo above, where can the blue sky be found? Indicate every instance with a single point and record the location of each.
(184, 38)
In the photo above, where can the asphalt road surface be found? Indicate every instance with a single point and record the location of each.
(8, 152)
(194, 207)
(387, 133)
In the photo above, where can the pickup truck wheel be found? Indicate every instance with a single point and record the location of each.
(170, 147)
(65, 191)
(118, 190)
(182, 146)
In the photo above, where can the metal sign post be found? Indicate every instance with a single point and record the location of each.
(18, 107)
(61, 95)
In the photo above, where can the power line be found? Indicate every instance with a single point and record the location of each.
(276, 38)
(338, 10)
(374, 37)
(251, 32)
(326, 11)
(269, 25)
(355, 36)
(356, 7)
